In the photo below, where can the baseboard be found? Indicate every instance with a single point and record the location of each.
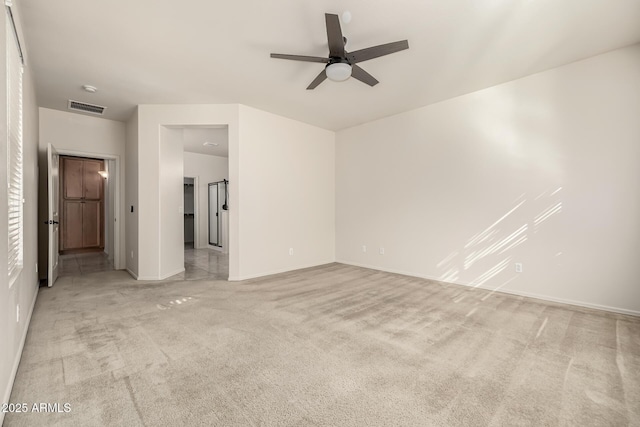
(166, 276)
(505, 291)
(279, 271)
(570, 302)
(137, 277)
(16, 362)
(134, 275)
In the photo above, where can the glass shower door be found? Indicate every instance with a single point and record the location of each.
(217, 203)
(214, 214)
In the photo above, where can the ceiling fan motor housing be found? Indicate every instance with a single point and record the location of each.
(338, 60)
(340, 65)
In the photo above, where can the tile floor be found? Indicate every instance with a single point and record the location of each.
(198, 264)
(80, 264)
(204, 264)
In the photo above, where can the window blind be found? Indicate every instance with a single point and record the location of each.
(14, 155)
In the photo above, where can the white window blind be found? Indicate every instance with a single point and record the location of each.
(14, 154)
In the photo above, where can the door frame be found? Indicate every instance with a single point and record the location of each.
(118, 222)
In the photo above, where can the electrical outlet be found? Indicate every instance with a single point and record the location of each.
(290, 251)
(381, 251)
(364, 248)
(518, 267)
(131, 254)
(18, 313)
(36, 267)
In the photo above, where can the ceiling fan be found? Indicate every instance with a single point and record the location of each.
(342, 64)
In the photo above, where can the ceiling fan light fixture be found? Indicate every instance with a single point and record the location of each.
(342, 64)
(338, 72)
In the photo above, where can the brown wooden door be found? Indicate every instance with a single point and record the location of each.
(73, 174)
(92, 181)
(82, 219)
(91, 224)
(72, 225)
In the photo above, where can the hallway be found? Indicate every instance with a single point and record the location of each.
(204, 264)
(86, 263)
(199, 264)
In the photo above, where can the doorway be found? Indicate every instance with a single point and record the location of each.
(86, 206)
(82, 205)
(205, 161)
(111, 254)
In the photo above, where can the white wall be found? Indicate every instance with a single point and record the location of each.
(131, 195)
(25, 289)
(281, 175)
(207, 169)
(287, 184)
(77, 133)
(552, 158)
(171, 229)
(151, 118)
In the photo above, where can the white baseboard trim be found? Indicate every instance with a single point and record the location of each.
(173, 273)
(279, 271)
(134, 275)
(569, 302)
(18, 356)
(505, 291)
(166, 276)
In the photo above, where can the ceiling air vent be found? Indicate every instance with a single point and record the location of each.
(86, 108)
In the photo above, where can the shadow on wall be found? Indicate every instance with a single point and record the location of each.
(498, 241)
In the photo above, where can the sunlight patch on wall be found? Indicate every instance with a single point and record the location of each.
(477, 255)
(547, 213)
(487, 275)
(499, 240)
(482, 236)
(497, 288)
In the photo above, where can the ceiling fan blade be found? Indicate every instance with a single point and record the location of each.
(377, 51)
(360, 74)
(334, 36)
(321, 77)
(300, 58)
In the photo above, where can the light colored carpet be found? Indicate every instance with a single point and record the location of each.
(333, 346)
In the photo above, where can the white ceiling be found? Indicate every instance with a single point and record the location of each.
(206, 51)
(193, 139)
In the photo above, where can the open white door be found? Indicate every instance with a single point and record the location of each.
(54, 214)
